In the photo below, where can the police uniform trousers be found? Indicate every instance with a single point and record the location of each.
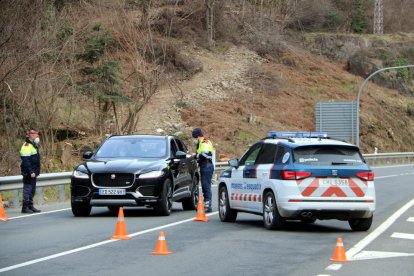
(206, 171)
(29, 189)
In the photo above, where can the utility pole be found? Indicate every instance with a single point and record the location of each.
(378, 17)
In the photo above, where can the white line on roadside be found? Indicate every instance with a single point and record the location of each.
(410, 219)
(386, 176)
(402, 236)
(378, 231)
(41, 213)
(334, 267)
(369, 255)
(54, 256)
(374, 234)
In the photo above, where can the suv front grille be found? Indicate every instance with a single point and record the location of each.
(113, 179)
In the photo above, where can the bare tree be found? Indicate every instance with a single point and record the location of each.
(210, 20)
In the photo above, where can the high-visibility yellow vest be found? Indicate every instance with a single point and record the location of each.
(28, 150)
(205, 149)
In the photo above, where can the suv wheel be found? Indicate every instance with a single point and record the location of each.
(190, 203)
(361, 224)
(225, 212)
(81, 209)
(164, 206)
(271, 217)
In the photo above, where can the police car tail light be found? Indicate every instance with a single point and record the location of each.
(369, 176)
(292, 175)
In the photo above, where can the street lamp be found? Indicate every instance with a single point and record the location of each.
(362, 88)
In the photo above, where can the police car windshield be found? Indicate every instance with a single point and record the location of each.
(316, 155)
(132, 148)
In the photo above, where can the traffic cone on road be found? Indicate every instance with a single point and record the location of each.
(339, 254)
(3, 216)
(201, 214)
(120, 230)
(161, 247)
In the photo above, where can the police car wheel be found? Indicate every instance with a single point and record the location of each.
(361, 224)
(164, 206)
(190, 203)
(226, 214)
(271, 217)
(81, 209)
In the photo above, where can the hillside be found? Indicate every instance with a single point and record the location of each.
(170, 80)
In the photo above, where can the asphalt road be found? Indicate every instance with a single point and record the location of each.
(55, 242)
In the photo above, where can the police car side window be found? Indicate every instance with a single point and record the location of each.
(267, 154)
(282, 155)
(250, 157)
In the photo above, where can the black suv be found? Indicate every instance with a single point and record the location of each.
(136, 170)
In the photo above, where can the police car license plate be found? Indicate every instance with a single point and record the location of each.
(333, 182)
(111, 191)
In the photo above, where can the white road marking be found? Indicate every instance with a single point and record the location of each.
(54, 256)
(334, 267)
(386, 176)
(378, 231)
(367, 255)
(410, 219)
(402, 236)
(355, 252)
(41, 213)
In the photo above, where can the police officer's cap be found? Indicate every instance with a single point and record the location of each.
(197, 132)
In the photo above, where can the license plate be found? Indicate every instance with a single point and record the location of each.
(333, 182)
(111, 191)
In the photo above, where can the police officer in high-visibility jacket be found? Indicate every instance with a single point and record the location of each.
(30, 167)
(204, 155)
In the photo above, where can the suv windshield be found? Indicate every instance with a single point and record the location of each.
(133, 147)
(316, 155)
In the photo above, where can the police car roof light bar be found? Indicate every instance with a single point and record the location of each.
(293, 134)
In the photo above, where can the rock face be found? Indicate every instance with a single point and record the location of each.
(364, 56)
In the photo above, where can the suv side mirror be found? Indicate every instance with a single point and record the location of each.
(180, 154)
(234, 163)
(87, 155)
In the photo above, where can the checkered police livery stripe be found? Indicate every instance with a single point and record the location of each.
(246, 197)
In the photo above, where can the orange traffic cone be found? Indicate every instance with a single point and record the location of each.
(161, 247)
(201, 214)
(120, 230)
(339, 254)
(2, 212)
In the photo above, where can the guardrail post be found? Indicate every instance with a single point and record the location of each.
(40, 195)
(16, 202)
(62, 193)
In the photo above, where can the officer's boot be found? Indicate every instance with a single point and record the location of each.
(26, 209)
(32, 208)
(208, 207)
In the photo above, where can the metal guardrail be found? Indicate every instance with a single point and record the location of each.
(15, 183)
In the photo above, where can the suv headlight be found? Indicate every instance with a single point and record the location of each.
(153, 174)
(80, 174)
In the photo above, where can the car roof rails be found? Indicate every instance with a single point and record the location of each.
(295, 134)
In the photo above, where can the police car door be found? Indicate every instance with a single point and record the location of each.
(264, 164)
(243, 177)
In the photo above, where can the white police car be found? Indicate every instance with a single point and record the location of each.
(299, 176)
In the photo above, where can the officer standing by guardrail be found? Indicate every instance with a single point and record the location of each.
(30, 168)
(204, 155)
